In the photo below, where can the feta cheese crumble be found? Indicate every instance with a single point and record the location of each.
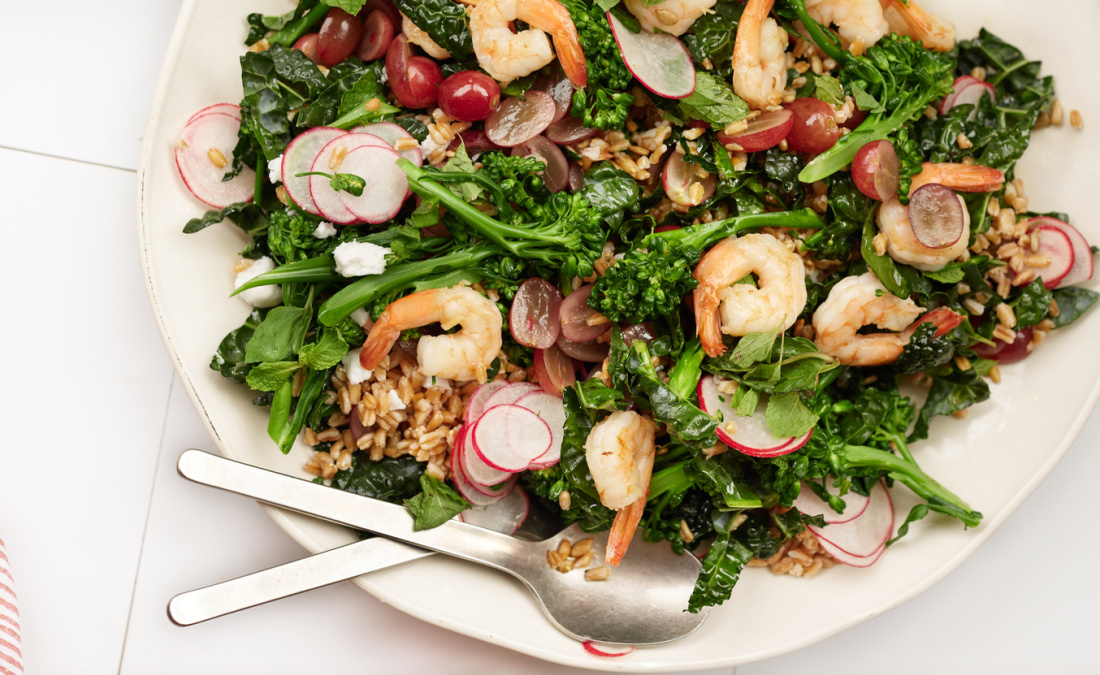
(355, 372)
(325, 230)
(261, 296)
(275, 170)
(359, 258)
(361, 317)
(395, 401)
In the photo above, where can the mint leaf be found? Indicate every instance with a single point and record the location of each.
(435, 505)
(714, 102)
(271, 375)
(278, 336)
(787, 415)
(326, 352)
(753, 348)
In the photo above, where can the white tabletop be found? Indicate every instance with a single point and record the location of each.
(102, 532)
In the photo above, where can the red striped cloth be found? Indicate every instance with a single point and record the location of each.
(11, 658)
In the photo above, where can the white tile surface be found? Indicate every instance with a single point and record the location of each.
(85, 388)
(84, 72)
(198, 535)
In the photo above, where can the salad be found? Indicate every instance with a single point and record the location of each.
(677, 270)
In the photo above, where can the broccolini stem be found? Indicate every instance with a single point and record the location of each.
(686, 373)
(370, 288)
(296, 29)
(321, 268)
(704, 234)
(939, 498)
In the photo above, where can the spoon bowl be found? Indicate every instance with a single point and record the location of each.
(643, 601)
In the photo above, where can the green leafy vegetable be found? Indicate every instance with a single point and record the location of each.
(713, 102)
(436, 504)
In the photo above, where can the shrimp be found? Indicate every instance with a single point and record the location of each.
(855, 302)
(893, 217)
(670, 16)
(860, 22)
(464, 355)
(506, 55)
(759, 64)
(620, 452)
(722, 307)
(422, 39)
(907, 18)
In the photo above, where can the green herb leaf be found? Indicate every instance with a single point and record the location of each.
(787, 415)
(271, 375)
(461, 163)
(325, 352)
(349, 6)
(348, 182)
(1072, 303)
(279, 335)
(713, 102)
(435, 505)
(753, 348)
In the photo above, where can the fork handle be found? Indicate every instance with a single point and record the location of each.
(328, 567)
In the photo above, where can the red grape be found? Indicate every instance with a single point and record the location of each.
(385, 6)
(339, 37)
(378, 32)
(534, 318)
(763, 132)
(469, 95)
(555, 370)
(815, 129)
(875, 170)
(414, 79)
(1003, 352)
(307, 44)
(579, 322)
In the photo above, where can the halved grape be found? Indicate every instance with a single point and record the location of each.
(413, 79)
(534, 319)
(763, 132)
(938, 215)
(556, 173)
(518, 120)
(560, 89)
(579, 322)
(378, 33)
(555, 371)
(338, 38)
(469, 95)
(875, 170)
(815, 129)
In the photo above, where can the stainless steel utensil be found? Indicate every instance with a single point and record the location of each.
(642, 602)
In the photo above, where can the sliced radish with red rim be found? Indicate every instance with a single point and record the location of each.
(386, 184)
(748, 435)
(471, 494)
(509, 394)
(330, 161)
(764, 132)
(299, 157)
(606, 649)
(476, 405)
(505, 516)
(518, 120)
(393, 134)
(659, 60)
(204, 155)
(938, 215)
(1082, 267)
(552, 411)
(967, 90)
(1056, 244)
(863, 536)
(579, 322)
(231, 109)
(534, 319)
(810, 504)
(510, 437)
(556, 173)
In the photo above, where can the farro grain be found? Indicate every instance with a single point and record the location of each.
(1075, 120)
(597, 574)
(1005, 315)
(1024, 278)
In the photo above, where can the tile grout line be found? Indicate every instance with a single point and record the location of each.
(68, 159)
(148, 512)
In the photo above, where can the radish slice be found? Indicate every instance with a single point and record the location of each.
(204, 154)
(1082, 252)
(505, 516)
(809, 503)
(606, 649)
(330, 160)
(509, 437)
(299, 157)
(848, 558)
(751, 435)
(392, 133)
(1056, 244)
(510, 394)
(679, 177)
(476, 405)
(969, 90)
(519, 120)
(552, 411)
(386, 184)
(483, 479)
(471, 494)
(659, 60)
(231, 109)
(863, 536)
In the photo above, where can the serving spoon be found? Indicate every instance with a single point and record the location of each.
(644, 600)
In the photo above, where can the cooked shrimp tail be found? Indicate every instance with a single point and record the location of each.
(759, 63)
(907, 18)
(622, 531)
(961, 177)
(463, 355)
(942, 318)
(506, 55)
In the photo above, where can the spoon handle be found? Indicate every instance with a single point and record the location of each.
(391, 520)
(322, 569)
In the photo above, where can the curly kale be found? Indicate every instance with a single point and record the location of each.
(646, 283)
(604, 103)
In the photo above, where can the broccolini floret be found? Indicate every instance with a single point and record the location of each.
(646, 282)
(604, 103)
